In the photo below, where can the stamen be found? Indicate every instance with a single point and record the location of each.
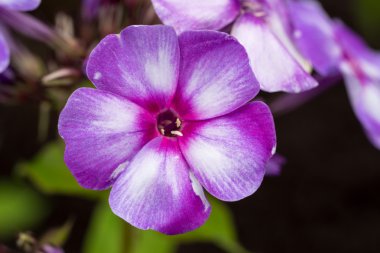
(178, 122)
(176, 132)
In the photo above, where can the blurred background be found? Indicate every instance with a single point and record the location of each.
(327, 198)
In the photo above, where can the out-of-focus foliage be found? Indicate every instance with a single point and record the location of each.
(20, 209)
(49, 173)
(106, 232)
(58, 236)
(367, 16)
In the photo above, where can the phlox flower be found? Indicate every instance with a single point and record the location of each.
(170, 115)
(11, 5)
(332, 46)
(261, 26)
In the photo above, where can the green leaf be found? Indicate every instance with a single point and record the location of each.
(50, 174)
(106, 233)
(20, 209)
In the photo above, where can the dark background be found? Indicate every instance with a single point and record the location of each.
(327, 198)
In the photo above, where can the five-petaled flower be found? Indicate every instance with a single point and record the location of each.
(261, 26)
(11, 5)
(170, 115)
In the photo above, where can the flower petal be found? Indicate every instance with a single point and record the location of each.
(197, 14)
(279, 24)
(313, 34)
(229, 154)
(157, 191)
(215, 75)
(20, 5)
(365, 100)
(356, 50)
(141, 64)
(273, 65)
(4, 53)
(102, 133)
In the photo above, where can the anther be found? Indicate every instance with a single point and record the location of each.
(176, 133)
(178, 122)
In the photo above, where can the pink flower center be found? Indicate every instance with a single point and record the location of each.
(169, 124)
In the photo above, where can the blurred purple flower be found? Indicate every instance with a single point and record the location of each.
(91, 8)
(274, 165)
(331, 47)
(51, 249)
(361, 69)
(261, 26)
(11, 5)
(170, 116)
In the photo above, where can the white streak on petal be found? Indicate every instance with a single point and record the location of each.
(198, 189)
(119, 170)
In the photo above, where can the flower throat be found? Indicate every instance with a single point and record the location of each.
(169, 124)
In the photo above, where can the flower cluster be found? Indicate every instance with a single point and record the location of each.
(170, 115)
(174, 111)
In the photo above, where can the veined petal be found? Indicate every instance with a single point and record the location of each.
(157, 191)
(215, 75)
(272, 64)
(4, 53)
(365, 100)
(20, 5)
(313, 34)
(141, 64)
(102, 133)
(229, 154)
(197, 14)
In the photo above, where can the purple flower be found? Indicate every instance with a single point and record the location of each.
(331, 47)
(169, 117)
(261, 26)
(275, 165)
(361, 69)
(12, 5)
